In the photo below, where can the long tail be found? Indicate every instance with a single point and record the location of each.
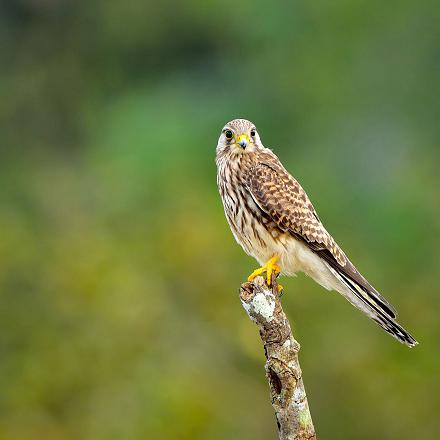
(373, 305)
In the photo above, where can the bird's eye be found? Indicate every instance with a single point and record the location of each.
(253, 132)
(228, 134)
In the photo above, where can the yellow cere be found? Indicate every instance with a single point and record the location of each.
(245, 137)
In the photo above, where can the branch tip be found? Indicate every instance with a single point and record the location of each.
(289, 401)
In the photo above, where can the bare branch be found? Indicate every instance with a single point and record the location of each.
(283, 371)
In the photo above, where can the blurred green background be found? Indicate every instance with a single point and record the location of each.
(119, 312)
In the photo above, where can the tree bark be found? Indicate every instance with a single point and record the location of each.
(283, 371)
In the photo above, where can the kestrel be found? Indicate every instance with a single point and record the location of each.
(274, 221)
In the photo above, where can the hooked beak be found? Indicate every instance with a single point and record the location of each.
(243, 140)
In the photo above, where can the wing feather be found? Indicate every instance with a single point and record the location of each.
(280, 196)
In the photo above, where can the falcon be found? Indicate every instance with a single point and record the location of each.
(274, 221)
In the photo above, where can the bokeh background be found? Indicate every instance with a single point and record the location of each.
(119, 313)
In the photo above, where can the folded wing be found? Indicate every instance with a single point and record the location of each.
(283, 199)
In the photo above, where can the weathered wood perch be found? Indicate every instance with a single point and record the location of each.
(283, 371)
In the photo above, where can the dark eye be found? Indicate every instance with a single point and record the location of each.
(228, 134)
(253, 133)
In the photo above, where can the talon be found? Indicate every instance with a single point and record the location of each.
(270, 267)
(255, 273)
(280, 289)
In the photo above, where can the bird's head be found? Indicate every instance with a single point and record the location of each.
(239, 136)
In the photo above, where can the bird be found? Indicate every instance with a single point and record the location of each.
(272, 218)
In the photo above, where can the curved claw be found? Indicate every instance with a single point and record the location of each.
(280, 289)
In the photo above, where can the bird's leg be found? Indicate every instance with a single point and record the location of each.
(270, 267)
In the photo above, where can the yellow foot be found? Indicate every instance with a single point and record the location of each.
(270, 267)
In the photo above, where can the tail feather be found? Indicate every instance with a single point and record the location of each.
(373, 306)
(396, 330)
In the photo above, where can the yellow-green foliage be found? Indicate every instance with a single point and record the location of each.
(119, 310)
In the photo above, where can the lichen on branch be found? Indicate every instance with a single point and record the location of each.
(289, 401)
